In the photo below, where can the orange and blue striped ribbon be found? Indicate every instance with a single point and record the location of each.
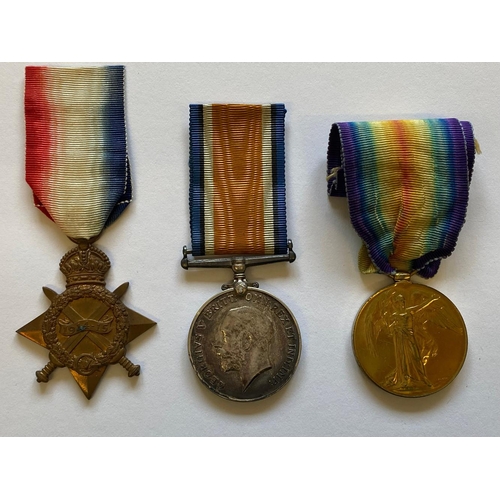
(76, 146)
(237, 179)
(407, 185)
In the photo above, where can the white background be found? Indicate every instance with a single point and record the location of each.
(328, 395)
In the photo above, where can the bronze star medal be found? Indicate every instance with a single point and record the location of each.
(78, 169)
(87, 327)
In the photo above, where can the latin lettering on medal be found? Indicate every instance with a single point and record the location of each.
(288, 365)
(249, 347)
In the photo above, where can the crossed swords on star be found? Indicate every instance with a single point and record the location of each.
(72, 342)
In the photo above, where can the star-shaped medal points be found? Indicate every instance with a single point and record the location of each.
(87, 327)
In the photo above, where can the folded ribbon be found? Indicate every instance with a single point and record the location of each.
(407, 185)
(76, 146)
(237, 179)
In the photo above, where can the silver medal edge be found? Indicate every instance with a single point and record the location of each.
(292, 371)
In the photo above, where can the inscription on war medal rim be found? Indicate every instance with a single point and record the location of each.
(410, 339)
(244, 347)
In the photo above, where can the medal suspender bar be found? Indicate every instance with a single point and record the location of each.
(244, 344)
(407, 186)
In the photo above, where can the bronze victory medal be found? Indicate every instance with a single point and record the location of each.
(410, 339)
(244, 347)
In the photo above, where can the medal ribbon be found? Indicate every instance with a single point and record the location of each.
(407, 185)
(76, 146)
(237, 179)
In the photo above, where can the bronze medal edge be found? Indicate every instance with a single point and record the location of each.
(408, 396)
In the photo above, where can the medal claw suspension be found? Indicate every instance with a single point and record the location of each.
(238, 264)
(239, 283)
(401, 276)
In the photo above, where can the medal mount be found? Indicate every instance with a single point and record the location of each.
(238, 263)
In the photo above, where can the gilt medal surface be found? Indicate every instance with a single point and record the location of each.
(410, 339)
(244, 347)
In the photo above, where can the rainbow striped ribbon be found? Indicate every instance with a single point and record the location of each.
(237, 179)
(76, 147)
(407, 184)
